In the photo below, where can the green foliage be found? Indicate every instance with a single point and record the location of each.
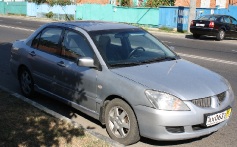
(38, 1)
(166, 29)
(125, 3)
(63, 2)
(49, 15)
(157, 3)
(53, 2)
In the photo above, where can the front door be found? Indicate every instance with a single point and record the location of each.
(75, 83)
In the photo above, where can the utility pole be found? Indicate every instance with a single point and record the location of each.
(192, 13)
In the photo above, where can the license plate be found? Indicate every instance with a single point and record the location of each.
(218, 117)
(200, 25)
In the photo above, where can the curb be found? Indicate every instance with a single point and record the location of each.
(61, 117)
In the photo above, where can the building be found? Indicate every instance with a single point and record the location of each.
(207, 3)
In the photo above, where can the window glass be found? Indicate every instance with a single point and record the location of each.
(49, 40)
(212, 18)
(208, 17)
(221, 19)
(36, 41)
(227, 19)
(129, 47)
(233, 21)
(75, 46)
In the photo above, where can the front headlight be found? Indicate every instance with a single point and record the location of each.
(164, 101)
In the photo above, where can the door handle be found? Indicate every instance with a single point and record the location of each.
(32, 53)
(61, 63)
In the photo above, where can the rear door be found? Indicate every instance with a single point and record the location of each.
(45, 56)
(234, 26)
(230, 28)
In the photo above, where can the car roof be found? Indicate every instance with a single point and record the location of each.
(94, 25)
(216, 15)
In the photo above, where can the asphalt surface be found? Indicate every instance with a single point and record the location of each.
(219, 56)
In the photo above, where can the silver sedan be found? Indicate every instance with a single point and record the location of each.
(124, 77)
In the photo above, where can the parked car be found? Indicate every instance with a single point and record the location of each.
(220, 26)
(124, 77)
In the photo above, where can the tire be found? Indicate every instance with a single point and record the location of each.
(196, 36)
(26, 82)
(220, 35)
(121, 123)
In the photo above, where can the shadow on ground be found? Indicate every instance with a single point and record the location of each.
(170, 143)
(24, 125)
(207, 38)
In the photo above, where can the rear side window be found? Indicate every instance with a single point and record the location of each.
(48, 40)
(226, 19)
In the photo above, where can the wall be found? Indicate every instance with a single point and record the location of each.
(59, 11)
(146, 16)
(232, 10)
(213, 3)
(2, 8)
(171, 17)
(13, 8)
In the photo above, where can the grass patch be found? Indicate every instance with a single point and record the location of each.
(24, 125)
(166, 29)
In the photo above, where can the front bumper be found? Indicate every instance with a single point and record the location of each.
(177, 125)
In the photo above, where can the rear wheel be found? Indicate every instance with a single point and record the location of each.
(26, 82)
(220, 35)
(121, 123)
(196, 36)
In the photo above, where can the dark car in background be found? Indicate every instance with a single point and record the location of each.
(220, 26)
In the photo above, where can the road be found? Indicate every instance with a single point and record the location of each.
(220, 57)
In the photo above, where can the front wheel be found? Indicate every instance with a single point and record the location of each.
(121, 123)
(220, 35)
(26, 82)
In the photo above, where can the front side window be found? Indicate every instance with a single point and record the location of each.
(128, 47)
(75, 45)
(48, 40)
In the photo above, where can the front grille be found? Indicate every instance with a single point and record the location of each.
(204, 102)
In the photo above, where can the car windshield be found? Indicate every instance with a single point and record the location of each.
(208, 17)
(130, 47)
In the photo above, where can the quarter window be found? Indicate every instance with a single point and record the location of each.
(48, 41)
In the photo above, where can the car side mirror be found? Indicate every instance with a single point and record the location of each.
(86, 62)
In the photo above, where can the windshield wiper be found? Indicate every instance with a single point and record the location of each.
(125, 64)
(159, 59)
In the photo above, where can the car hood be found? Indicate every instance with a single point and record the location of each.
(181, 78)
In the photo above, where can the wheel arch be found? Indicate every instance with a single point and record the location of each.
(222, 28)
(105, 103)
(20, 68)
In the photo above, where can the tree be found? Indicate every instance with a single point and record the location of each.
(157, 3)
